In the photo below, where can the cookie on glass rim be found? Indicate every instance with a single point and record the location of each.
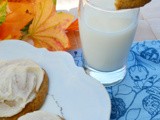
(128, 4)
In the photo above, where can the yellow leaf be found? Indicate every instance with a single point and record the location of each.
(49, 43)
(61, 19)
(48, 27)
(54, 33)
(43, 9)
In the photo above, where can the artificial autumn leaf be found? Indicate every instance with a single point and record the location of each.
(16, 20)
(48, 27)
(73, 26)
(3, 11)
(21, 1)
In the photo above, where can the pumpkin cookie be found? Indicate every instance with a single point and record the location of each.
(25, 86)
(127, 4)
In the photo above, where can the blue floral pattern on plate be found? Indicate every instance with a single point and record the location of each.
(137, 97)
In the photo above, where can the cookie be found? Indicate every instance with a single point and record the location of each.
(36, 103)
(127, 4)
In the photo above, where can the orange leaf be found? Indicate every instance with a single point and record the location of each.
(13, 6)
(21, 0)
(73, 26)
(24, 11)
(48, 27)
(9, 29)
(16, 20)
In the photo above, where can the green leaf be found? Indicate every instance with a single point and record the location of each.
(24, 31)
(3, 11)
(54, 2)
(26, 28)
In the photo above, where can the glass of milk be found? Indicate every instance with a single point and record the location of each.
(106, 36)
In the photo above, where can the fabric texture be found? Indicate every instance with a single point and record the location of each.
(137, 97)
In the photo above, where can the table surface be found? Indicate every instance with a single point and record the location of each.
(148, 26)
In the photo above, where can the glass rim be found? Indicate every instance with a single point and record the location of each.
(105, 10)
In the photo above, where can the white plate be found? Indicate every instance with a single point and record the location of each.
(79, 96)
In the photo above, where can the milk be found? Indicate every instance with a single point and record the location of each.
(106, 37)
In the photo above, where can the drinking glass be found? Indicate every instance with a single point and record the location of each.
(106, 36)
